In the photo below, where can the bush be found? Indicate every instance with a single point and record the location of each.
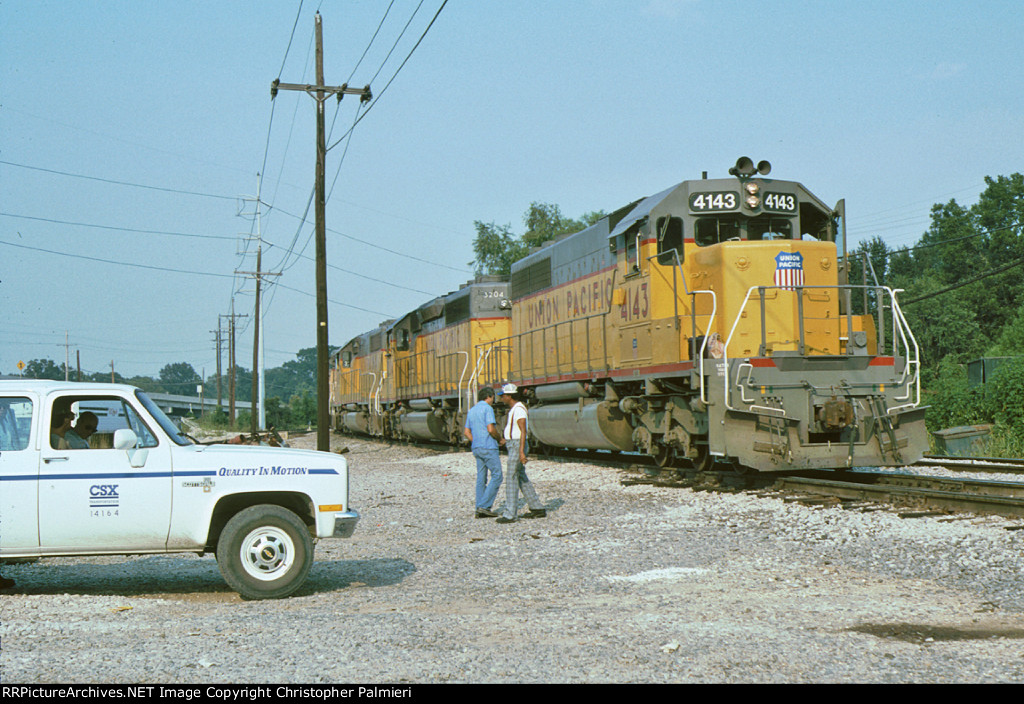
(1004, 395)
(951, 401)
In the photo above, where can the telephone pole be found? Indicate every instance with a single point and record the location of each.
(258, 412)
(220, 396)
(320, 93)
(231, 362)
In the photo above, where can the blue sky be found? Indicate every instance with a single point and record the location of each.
(131, 132)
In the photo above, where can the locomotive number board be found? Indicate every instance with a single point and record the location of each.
(715, 201)
(780, 202)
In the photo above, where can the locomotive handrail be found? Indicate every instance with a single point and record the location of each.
(900, 328)
(462, 376)
(482, 357)
(916, 361)
(369, 395)
(693, 316)
(517, 340)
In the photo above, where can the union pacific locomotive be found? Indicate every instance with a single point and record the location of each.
(710, 322)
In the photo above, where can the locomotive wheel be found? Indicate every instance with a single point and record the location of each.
(704, 460)
(665, 456)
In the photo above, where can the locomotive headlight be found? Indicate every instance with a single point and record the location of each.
(753, 202)
(752, 188)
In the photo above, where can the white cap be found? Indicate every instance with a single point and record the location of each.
(509, 388)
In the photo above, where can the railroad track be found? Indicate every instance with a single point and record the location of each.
(925, 495)
(1007, 465)
(919, 495)
(912, 495)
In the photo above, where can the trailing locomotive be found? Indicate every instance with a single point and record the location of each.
(711, 321)
(410, 378)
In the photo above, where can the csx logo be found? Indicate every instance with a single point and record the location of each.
(108, 491)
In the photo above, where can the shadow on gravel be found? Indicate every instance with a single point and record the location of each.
(163, 575)
(922, 632)
(339, 574)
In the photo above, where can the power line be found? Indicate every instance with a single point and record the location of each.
(111, 261)
(380, 247)
(112, 227)
(118, 183)
(388, 84)
(993, 272)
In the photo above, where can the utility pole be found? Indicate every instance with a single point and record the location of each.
(218, 340)
(320, 92)
(259, 421)
(231, 362)
(259, 413)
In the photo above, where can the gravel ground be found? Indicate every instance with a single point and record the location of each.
(619, 584)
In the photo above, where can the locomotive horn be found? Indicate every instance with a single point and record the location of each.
(764, 168)
(744, 167)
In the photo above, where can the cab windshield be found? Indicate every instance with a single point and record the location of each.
(160, 417)
(727, 228)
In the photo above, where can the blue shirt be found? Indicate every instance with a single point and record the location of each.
(479, 417)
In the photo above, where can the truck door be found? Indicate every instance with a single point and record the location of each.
(19, 470)
(102, 498)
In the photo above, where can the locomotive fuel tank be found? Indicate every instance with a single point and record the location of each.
(595, 426)
(428, 426)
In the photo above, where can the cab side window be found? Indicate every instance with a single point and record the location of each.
(670, 239)
(15, 423)
(95, 420)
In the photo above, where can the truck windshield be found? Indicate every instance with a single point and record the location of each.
(160, 417)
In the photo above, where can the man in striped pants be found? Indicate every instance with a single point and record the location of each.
(515, 471)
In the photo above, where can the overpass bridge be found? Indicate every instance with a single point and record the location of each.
(180, 406)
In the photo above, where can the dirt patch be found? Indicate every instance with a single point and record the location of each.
(925, 633)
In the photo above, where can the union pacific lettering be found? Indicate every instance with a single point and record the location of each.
(577, 299)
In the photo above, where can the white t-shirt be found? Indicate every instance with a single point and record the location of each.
(512, 425)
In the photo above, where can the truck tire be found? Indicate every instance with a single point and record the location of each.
(265, 552)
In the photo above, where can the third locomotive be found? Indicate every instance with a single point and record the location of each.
(709, 322)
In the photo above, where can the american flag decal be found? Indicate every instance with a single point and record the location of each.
(789, 270)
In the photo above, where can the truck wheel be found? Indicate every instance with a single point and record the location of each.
(265, 552)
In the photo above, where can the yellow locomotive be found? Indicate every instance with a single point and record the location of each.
(711, 321)
(413, 378)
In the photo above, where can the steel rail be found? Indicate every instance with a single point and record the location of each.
(975, 497)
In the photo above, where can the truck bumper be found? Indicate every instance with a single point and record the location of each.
(345, 524)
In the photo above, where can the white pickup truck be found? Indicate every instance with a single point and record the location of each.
(138, 485)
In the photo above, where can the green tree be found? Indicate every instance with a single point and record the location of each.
(1010, 342)
(945, 326)
(292, 376)
(278, 415)
(44, 369)
(951, 400)
(496, 248)
(302, 408)
(876, 254)
(147, 384)
(179, 378)
(1005, 394)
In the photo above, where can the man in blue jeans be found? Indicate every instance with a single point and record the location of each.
(482, 432)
